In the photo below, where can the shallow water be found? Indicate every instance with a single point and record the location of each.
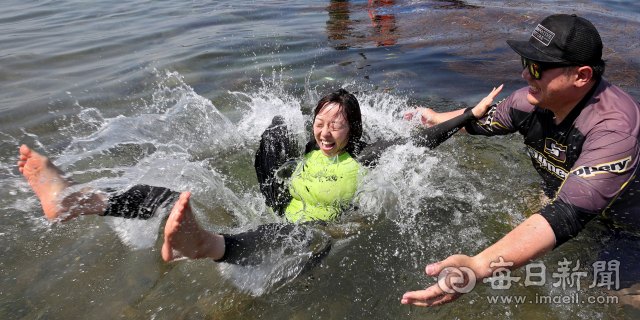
(177, 94)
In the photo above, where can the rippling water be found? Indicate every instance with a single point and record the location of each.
(176, 94)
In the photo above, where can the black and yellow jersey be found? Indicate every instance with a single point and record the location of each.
(588, 162)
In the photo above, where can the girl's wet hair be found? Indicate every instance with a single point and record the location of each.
(347, 102)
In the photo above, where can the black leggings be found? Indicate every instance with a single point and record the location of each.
(254, 246)
(251, 247)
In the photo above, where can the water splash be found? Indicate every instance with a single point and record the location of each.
(269, 101)
(180, 140)
(280, 262)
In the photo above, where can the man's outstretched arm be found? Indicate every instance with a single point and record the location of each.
(527, 242)
(429, 118)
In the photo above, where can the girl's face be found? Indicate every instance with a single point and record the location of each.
(331, 130)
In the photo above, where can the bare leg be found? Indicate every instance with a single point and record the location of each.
(48, 182)
(183, 234)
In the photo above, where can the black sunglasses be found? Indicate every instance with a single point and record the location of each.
(536, 68)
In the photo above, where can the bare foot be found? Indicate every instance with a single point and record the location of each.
(183, 234)
(48, 182)
(45, 179)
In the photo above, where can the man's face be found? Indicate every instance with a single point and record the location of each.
(553, 91)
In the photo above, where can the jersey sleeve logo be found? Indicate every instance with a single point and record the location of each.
(490, 115)
(489, 122)
(617, 166)
(555, 150)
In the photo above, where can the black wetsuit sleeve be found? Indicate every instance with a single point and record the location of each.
(430, 137)
(370, 154)
(566, 220)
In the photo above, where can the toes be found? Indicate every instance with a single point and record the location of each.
(184, 196)
(24, 150)
(176, 217)
(178, 212)
(172, 224)
(26, 153)
(167, 252)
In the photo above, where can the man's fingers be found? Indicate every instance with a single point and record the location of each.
(422, 297)
(432, 296)
(434, 268)
(495, 91)
(455, 261)
(437, 294)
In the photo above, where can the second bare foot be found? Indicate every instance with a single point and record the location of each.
(184, 236)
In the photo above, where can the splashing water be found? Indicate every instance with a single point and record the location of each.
(181, 141)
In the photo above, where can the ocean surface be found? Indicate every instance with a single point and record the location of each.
(177, 93)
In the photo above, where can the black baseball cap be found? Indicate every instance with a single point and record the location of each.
(562, 38)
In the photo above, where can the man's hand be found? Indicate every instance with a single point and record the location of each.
(481, 108)
(456, 277)
(529, 241)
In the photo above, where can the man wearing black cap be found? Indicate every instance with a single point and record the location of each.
(582, 135)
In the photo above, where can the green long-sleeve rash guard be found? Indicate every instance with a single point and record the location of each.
(322, 186)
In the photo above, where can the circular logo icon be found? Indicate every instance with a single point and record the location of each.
(461, 280)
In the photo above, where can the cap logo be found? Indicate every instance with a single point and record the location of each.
(543, 35)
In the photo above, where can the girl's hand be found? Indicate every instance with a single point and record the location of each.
(427, 116)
